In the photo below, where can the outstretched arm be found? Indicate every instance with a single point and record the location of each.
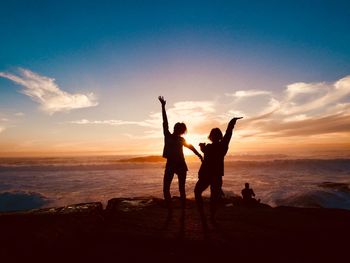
(165, 118)
(228, 133)
(191, 147)
(202, 147)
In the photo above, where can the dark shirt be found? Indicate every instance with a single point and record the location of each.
(214, 154)
(173, 150)
(173, 144)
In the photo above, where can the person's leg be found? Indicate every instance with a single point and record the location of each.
(222, 194)
(201, 185)
(182, 188)
(168, 177)
(215, 191)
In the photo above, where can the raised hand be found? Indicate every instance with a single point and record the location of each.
(202, 146)
(236, 118)
(162, 100)
(233, 121)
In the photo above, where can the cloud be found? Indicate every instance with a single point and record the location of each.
(48, 94)
(306, 109)
(189, 111)
(109, 122)
(326, 94)
(19, 114)
(299, 88)
(193, 113)
(248, 93)
(299, 117)
(301, 109)
(307, 127)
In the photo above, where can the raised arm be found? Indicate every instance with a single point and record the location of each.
(191, 147)
(228, 133)
(165, 118)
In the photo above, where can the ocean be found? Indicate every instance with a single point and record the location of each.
(29, 183)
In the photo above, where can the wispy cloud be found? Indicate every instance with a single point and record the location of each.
(306, 109)
(48, 94)
(19, 114)
(299, 88)
(109, 122)
(248, 93)
(301, 109)
(193, 113)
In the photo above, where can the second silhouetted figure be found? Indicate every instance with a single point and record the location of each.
(212, 168)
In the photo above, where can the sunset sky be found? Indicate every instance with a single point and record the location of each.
(83, 77)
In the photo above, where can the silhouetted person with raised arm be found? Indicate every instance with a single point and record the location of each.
(249, 195)
(173, 152)
(212, 168)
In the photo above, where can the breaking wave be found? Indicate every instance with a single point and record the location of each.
(327, 195)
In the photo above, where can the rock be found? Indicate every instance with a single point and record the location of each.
(138, 230)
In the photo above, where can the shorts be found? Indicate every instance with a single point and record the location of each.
(179, 167)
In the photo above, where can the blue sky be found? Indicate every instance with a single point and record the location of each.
(40, 32)
(125, 54)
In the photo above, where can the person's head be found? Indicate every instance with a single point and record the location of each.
(246, 185)
(215, 135)
(180, 128)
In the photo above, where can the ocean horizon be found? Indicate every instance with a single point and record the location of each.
(29, 183)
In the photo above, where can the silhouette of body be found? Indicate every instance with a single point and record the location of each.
(173, 152)
(249, 195)
(212, 168)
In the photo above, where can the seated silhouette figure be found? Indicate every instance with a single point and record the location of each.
(249, 195)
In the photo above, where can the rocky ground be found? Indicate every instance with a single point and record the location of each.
(138, 230)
